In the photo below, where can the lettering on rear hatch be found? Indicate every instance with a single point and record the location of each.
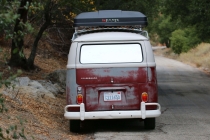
(88, 78)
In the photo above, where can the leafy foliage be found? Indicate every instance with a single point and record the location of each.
(178, 40)
(8, 16)
(39, 15)
(164, 16)
(183, 24)
(13, 132)
(191, 13)
(148, 7)
(163, 26)
(183, 40)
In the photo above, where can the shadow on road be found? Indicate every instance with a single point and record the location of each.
(121, 125)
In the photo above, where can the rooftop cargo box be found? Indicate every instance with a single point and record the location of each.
(110, 18)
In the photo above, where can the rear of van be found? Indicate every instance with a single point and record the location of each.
(111, 75)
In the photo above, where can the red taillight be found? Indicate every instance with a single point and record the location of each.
(79, 98)
(144, 97)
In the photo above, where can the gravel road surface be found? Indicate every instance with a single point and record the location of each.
(184, 94)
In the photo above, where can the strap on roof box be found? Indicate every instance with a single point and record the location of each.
(110, 18)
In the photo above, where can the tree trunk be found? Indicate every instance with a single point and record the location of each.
(17, 55)
(168, 44)
(34, 49)
(30, 61)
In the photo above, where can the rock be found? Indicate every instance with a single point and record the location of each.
(36, 92)
(59, 77)
(61, 89)
(32, 88)
(35, 84)
(21, 81)
(38, 88)
(5, 93)
(54, 88)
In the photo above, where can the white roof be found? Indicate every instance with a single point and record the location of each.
(110, 36)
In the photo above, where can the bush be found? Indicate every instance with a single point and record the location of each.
(163, 27)
(178, 40)
(184, 40)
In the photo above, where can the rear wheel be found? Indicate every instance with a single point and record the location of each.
(74, 125)
(149, 123)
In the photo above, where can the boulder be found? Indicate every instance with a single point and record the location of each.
(55, 84)
(59, 77)
(21, 81)
(33, 88)
(54, 88)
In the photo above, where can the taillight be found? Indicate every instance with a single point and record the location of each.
(79, 95)
(144, 97)
(79, 99)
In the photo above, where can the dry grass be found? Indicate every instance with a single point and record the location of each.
(42, 118)
(197, 57)
(200, 56)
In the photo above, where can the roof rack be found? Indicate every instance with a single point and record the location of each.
(110, 20)
(85, 30)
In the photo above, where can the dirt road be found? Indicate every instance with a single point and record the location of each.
(184, 94)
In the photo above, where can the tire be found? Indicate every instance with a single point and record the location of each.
(149, 123)
(74, 126)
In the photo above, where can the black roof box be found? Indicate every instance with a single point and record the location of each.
(110, 18)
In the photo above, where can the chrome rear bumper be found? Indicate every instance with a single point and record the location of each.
(82, 115)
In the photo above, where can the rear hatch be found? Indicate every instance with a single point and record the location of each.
(111, 88)
(111, 76)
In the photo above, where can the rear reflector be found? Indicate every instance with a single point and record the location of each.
(79, 90)
(144, 97)
(79, 99)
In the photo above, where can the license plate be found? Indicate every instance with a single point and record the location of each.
(112, 96)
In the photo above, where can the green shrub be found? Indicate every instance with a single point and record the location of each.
(162, 27)
(193, 38)
(178, 40)
(183, 40)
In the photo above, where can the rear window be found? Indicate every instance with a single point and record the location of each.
(111, 53)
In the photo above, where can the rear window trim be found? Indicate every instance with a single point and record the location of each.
(113, 62)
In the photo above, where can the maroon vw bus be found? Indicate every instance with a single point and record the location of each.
(111, 71)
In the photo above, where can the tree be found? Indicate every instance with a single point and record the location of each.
(163, 27)
(48, 8)
(52, 12)
(149, 7)
(191, 13)
(58, 14)
(17, 55)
